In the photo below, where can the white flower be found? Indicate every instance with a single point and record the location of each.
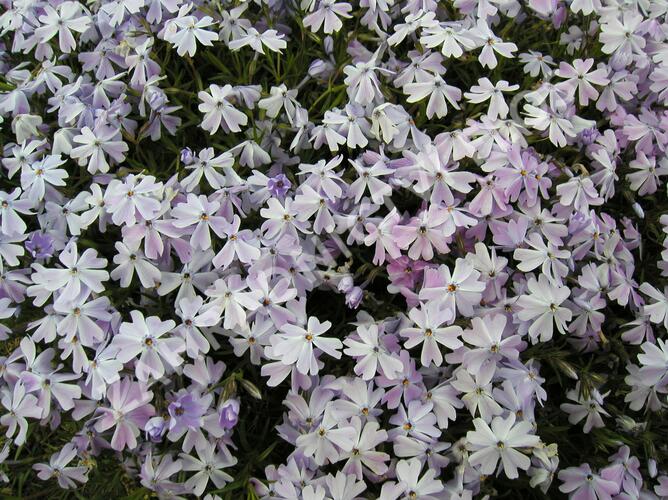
(19, 406)
(590, 406)
(542, 306)
(145, 337)
(85, 270)
(327, 16)
(185, 31)
(326, 441)
(429, 319)
(411, 485)
(490, 44)
(654, 361)
(131, 259)
(657, 310)
(207, 467)
(61, 21)
(499, 442)
(295, 344)
(58, 468)
(40, 175)
(487, 91)
(219, 111)
(256, 40)
(438, 91)
(372, 353)
(95, 144)
(546, 256)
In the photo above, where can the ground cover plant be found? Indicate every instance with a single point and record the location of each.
(319, 249)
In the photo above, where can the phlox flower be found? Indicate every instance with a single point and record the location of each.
(411, 484)
(645, 179)
(543, 307)
(185, 31)
(423, 233)
(368, 179)
(136, 195)
(363, 454)
(327, 16)
(327, 441)
(546, 256)
(500, 442)
(487, 91)
(281, 219)
(405, 385)
(416, 420)
(271, 296)
(102, 371)
(581, 482)
(128, 412)
(96, 145)
(324, 177)
(536, 63)
(344, 486)
(85, 270)
(208, 165)
(61, 21)
(131, 259)
(186, 411)
(280, 98)
(654, 362)
(81, 317)
(307, 203)
(59, 468)
(489, 346)
(200, 212)
(382, 234)
(585, 406)
(144, 337)
(195, 315)
(362, 81)
(270, 38)
(208, 466)
(219, 112)
(622, 36)
(491, 44)
(430, 332)
(195, 275)
(559, 126)
(477, 392)
(579, 77)
(296, 344)
(233, 300)
(20, 406)
(38, 178)
(371, 353)
(452, 37)
(438, 91)
(460, 290)
(434, 174)
(119, 9)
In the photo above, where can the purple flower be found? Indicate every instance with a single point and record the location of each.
(40, 245)
(279, 185)
(589, 135)
(346, 284)
(582, 482)
(229, 413)
(354, 297)
(186, 412)
(187, 156)
(155, 429)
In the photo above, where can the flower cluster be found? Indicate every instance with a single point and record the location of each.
(334, 250)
